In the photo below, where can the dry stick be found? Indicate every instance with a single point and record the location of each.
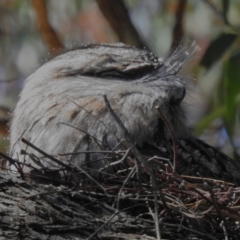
(31, 175)
(123, 185)
(94, 138)
(46, 193)
(53, 192)
(165, 203)
(139, 157)
(44, 153)
(190, 230)
(213, 203)
(217, 209)
(84, 152)
(89, 176)
(97, 141)
(209, 179)
(33, 157)
(97, 118)
(174, 177)
(15, 163)
(118, 161)
(161, 158)
(102, 226)
(179, 228)
(224, 230)
(172, 137)
(149, 209)
(114, 152)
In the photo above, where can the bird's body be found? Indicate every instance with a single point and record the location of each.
(62, 110)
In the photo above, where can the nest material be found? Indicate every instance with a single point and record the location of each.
(134, 201)
(139, 194)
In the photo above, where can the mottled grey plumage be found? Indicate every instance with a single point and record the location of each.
(69, 90)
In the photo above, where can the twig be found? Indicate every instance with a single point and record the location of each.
(84, 152)
(97, 118)
(15, 163)
(47, 193)
(11, 160)
(88, 175)
(208, 179)
(164, 202)
(123, 185)
(118, 161)
(139, 157)
(161, 158)
(45, 154)
(172, 137)
(98, 142)
(222, 225)
(192, 231)
(109, 220)
(33, 157)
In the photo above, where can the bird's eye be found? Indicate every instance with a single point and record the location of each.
(113, 74)
(116, 74)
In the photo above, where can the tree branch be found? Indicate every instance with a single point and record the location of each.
(117, 16)
(48, 34)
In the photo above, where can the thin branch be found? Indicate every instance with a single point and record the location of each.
(97, 119)
(178, 27)
(116, 162)
(140, 158)
(117, 16)
(88, 175)
(49, 35)
(165, 203)
(172, 137)
(123, 185)
(109, 220)
(15, 163)
(84, 152)
(44, 153)
(97, 141)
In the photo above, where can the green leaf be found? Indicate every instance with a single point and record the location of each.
(208, 119)
(217, 48)
(231, 90)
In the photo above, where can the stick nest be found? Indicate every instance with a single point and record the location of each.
(128, 200)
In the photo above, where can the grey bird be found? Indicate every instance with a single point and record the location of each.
(61, 109)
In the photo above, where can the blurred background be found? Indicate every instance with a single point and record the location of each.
(33, 31)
